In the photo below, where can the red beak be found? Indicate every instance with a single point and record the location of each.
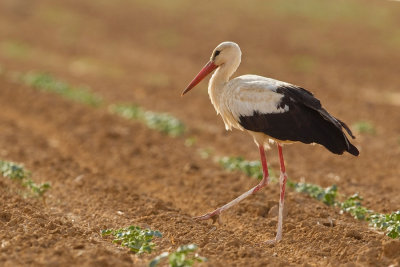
(207, 69)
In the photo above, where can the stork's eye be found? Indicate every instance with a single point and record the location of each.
(217, 53)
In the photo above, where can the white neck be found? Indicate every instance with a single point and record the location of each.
(219, 80)
(222, 74)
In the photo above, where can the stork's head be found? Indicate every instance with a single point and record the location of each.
(226, 53)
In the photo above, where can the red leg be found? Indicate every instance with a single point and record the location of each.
(282, 182)
(253, 190)
(264, 180)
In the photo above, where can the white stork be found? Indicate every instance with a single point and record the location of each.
(270, 111)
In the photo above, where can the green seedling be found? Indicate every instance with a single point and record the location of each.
(388, 222)
(184, 256)
(364, 127)
(162, 122)
(133, 237)
(46, 82)
(353, 206)
(38, 189)
(250, 168)
(17, 172)
(130, 112)
(13, 170)
(191, 141)
(326, 195)
(205, 153)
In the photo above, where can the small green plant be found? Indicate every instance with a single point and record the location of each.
(184, 256)
(364, 127)
(162, 122)
(326, 195)
(205, 153)
(190, 141)
(131, 112)
(13, 170)
(46, 82)
(17, 172)
(353, 206)
(250, 168)
(38, 189)
(133, 237)
(388, 222)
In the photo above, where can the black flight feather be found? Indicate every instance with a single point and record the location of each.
(305, 121)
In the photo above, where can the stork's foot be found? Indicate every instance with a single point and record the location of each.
(270, 242)
(273, 242)
(214, 215)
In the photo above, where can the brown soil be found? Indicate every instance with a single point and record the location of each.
(107, 172)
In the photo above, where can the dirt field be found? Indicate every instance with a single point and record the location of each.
(108, 172)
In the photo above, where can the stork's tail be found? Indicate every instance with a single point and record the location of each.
(346, 127)
(352, 149)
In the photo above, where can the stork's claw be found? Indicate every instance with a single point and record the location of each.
(274, 241)
(214, 215)
(271, 242)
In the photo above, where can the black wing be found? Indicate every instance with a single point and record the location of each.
(305, 121)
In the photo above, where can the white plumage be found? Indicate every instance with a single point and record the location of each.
(250, 93)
